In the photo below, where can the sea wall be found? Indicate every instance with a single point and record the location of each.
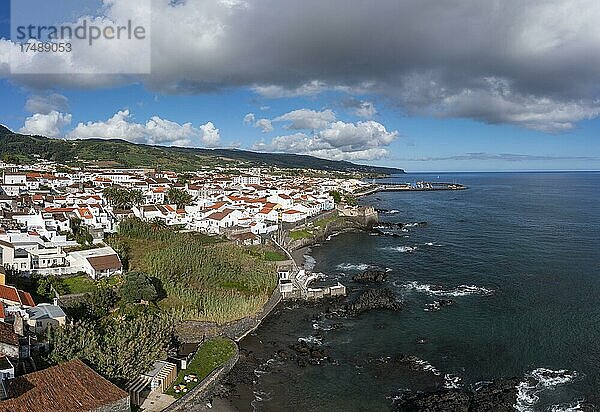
(348, 219)
(197, 331)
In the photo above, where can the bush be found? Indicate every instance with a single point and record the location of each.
(137, 286)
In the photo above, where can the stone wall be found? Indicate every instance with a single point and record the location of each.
(196, 331)
(187, 402)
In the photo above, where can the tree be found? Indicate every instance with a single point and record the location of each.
(117, 349)
(50, 285)
(350, 200)
(81, 233)
(100, 302)
(180, 197)
(137, 286)
(337, 196)
(122, 198)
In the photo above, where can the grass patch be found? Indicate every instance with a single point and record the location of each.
(300, 234)
(274, 256)
(266, 253)
(210, 356)
(79, 284)
(321, 223)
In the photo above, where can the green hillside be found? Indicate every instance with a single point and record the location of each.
(21, 148)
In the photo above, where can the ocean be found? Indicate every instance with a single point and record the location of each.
(518, 254)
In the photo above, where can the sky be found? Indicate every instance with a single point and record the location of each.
(424, 85)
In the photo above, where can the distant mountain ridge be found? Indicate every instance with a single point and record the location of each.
(121, 153)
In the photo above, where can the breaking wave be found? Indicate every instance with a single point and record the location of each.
(452, 381)
(350, 266)
(436, 290)
(537, 381)
(401, 249)
(309, 262)
(571, 407)
(311, 340)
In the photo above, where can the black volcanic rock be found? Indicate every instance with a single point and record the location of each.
(374, 299)
(452, 400)
(370, 275)
(498, 396)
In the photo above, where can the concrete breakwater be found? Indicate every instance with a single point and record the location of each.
(408, 187)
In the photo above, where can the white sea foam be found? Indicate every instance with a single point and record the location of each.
(331, 236)
(571, 407)
(452, 381)
(264, 368)
(537, 381)
(351, 266)
(392, 212)
(433, 307)
(309, 262)
(401, 249)
(259, 396)
(312, 340)
(462, 290)
(425, 366)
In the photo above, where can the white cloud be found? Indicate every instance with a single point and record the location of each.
(366, 110)
(49, 124)
(307, 119)
(264, 124)
(339, 141)
(249, 118)
(155, 131)
(45, 104)
(210, 135)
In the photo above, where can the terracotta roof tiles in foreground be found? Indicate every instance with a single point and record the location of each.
(67, 387)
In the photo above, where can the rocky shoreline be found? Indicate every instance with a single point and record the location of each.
(236, 388)
(498, 396)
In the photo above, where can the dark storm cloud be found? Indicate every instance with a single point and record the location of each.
(533, 64)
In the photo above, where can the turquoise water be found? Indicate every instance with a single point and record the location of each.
(518, 253)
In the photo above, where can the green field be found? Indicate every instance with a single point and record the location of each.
(210, 356)
(79, 284)
(300, 234)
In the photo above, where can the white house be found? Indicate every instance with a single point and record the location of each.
(223, 219)
(293, 216)
(97, 263)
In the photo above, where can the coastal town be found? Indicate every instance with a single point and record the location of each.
(57, 232)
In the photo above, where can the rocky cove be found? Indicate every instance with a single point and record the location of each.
(445, 338)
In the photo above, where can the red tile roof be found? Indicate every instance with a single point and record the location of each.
(9, 293)
(68, 387)
(220, 215)
(26, 298)
(8, 335)
(16, 296)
